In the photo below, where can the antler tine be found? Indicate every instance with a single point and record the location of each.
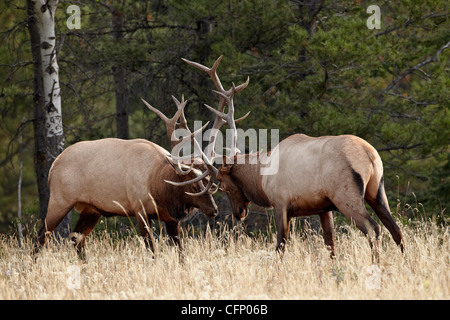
(242, 118)
(181, 105)
(210, 71)
(159, 113)
(170, 123)
(242, 86)
(217, 112)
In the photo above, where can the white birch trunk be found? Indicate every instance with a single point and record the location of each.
(48, 129)
(45, 13)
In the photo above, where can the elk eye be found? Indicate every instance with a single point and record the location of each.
(194, 188)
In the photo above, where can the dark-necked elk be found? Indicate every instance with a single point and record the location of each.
(109, 177)
(314, 176)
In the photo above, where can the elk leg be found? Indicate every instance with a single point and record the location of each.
(282, 220)
(39, 241)
(355, 210)
(56, 211)
(85, 224)
(326, 221)
(380, 205)
(173, 230)
(146, 232)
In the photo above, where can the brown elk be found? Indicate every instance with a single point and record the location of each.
(110, 177)
(314, 176)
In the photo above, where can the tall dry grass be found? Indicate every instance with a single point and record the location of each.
(229, 265)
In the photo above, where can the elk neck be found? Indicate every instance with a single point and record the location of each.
(168, 196)
(246, 175)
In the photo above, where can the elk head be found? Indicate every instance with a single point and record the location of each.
(190, 178)
(190, 182)
(230, 185)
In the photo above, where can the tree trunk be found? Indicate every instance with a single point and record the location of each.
(47, 124)
(307, 12)
(120, 80)
(19, 191)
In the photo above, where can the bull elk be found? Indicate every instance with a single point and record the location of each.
(114, 177)
(315, 176)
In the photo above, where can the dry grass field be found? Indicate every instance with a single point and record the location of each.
(229, 265)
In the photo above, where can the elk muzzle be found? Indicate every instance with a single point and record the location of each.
(212, 211)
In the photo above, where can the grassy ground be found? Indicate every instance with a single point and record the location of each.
(229, 265)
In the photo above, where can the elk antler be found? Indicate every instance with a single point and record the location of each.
(226, 98)
(178, 143)
(211, 172)
(171, 124)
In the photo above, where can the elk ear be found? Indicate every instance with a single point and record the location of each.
(224, 160)
(228, 160)
(225, 168)
(226, 164)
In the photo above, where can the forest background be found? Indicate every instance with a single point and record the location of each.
(315, 67)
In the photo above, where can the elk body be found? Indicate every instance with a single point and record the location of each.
(314, 176)
(125, 178)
